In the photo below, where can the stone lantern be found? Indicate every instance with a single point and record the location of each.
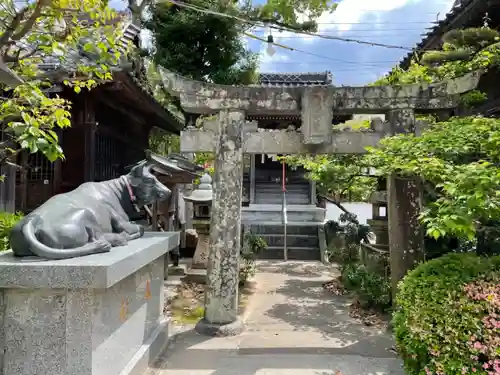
(201, 197)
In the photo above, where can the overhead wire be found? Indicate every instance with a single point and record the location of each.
(259, 23)
(305, 34)
(311, 53)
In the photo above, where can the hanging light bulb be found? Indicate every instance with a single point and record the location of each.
(270, 48)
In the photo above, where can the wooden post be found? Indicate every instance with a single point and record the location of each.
(90, 129)
(252, 179)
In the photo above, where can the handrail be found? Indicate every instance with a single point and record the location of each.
(284, 219)
(374, 249)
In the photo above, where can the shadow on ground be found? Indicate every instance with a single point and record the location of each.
(295, 269)
(295, 302)
(193, 354)
(293, 328)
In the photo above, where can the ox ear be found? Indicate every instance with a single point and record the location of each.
(138, 169)
(147, 168)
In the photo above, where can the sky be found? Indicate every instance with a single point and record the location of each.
(395, 22)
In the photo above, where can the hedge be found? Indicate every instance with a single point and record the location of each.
(7, 221)
(447, 316)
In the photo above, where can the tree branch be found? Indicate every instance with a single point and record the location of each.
(11, 28)
(28, 25)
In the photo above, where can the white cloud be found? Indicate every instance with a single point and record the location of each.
(350, 12)
(269, 63)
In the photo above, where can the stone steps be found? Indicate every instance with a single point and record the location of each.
(278, 229)
(300, 240)
(293, 253)
(271, 193)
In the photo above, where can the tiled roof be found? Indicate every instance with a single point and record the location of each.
(295, 79)
(130, 34)
(459, 16)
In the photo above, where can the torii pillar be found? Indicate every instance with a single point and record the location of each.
(221, 293)
(404, 204)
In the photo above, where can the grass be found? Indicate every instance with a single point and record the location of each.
(190, 310)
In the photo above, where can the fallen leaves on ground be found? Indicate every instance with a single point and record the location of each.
(335, 286)
(366, 316)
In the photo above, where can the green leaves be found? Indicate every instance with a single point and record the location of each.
(459, 157)
(337, 176)
(436, 317)
(291, 11)
(464, 51)
(31, 32)
(201, 46)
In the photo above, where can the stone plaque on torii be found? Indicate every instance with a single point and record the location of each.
(229, 136)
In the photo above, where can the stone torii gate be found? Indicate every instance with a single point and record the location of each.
(229, 136)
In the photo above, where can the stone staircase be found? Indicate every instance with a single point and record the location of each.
(302, 241)
(270, 193)
(264, 218)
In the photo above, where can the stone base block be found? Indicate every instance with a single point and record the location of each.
(196, 275)
(177, 271)
(150, 350)
(203, 327)
(96, 315)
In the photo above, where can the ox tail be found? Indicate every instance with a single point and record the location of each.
(44, 251)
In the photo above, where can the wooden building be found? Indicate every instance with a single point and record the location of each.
(110, 127)
(110, 130)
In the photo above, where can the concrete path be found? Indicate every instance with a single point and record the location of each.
(293, 327)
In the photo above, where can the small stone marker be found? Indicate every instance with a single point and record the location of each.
(124, 309)
(147, 294)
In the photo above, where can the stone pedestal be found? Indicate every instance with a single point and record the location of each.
(200, 257)
(221, 297)
(96, 315)
(381, 230)
(198, 271)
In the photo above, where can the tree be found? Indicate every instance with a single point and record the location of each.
(201, 46)
(76, 39)
(338, 177)
(463, 51)
(458, 159)
(201, 39)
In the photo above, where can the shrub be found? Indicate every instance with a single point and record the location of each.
(7, 221)
(447, 316)
(372, 289)
(344, 255)
(253, 245)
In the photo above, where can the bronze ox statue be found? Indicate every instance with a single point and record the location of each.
(91, 219)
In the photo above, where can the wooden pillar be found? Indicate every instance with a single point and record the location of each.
(252, 178)
(404, 203)
(90, 130)
(23, 181)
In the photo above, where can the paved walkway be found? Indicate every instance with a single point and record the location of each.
(293, 328)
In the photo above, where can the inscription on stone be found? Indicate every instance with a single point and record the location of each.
(124, 309)
(147, 293)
